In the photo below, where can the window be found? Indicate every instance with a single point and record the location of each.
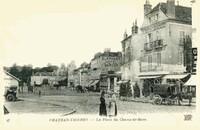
(181, 37)
(156, 17)
(150, 19)
(157, 35)
(150, 37)
(153, 18)
(159, 59)
(150, 61)
(145, 46)
(154, 58)
(180, 56)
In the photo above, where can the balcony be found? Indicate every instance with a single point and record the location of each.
(158, 44)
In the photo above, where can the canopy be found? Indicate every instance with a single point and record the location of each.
(94, 83)
(180, 76)
(91, 81)
(122, 81)
(192, 81)
(150, 77)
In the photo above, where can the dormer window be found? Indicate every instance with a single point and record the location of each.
(153, 18)
(156, 17)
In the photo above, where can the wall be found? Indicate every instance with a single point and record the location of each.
(9, 81)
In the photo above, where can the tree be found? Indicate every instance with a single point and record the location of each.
(45, 81)
(14, 70)
(25, 74)
(63, 70)
(125, 90)
(187, 51)
(146, 88)
(136, 90)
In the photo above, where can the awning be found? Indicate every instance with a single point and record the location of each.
(150, 77)
(91, 81)
(122, 81)
(192, 81)
(94, 83)
(175, 76)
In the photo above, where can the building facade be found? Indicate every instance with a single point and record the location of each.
(102, 64)
(131, 55)
(165, 29)
(157, 54)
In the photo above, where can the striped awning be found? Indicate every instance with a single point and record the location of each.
(150, 77)
(94, 83)
(179, 76)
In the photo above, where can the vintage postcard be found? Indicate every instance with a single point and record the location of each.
(92, 63)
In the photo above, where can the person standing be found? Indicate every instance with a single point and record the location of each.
(113, 105)
(102, 108)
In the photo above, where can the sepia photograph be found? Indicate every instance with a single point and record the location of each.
(114, 61)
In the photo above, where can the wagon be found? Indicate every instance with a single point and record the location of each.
(10, 93)
(164, 94)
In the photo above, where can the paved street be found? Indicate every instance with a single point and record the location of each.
(83, 103)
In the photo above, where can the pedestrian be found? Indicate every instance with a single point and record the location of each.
(189, 95)
(112, 105)
(103, 92)
(39, 93)
(102, 107)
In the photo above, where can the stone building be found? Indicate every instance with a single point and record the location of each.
(38, 78)
(101, 64)
(165, 29)
(131, 54)
(156, 55)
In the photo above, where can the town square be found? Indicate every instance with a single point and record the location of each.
(154, 69)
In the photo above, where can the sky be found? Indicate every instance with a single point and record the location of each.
(39, 32)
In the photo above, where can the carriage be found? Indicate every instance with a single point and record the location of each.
(11, 93)
(164, 94)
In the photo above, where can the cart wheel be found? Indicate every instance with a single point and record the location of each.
(158, 101)
(169, 102)
(10, 97)
(156, 96)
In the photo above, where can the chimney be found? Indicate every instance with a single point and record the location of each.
(135, 28)
(171, 8)
(125, 35)
(147, 7)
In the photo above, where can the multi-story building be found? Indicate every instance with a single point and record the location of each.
(156, 55)
(131, 53)
(166, 28)
(101, 64)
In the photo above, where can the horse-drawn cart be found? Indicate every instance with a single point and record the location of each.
(164, 94)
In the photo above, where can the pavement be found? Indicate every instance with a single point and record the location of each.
(38, 106)
(64, 102)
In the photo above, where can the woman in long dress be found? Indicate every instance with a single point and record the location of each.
(113, 105)
(102, 108)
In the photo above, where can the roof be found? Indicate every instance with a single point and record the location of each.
(44, 74)
(126, 38)
(11, 75)
(110, 54)
(182, 13)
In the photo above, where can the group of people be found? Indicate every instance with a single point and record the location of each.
(112, 106)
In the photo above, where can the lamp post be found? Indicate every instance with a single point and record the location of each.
(80, 76)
